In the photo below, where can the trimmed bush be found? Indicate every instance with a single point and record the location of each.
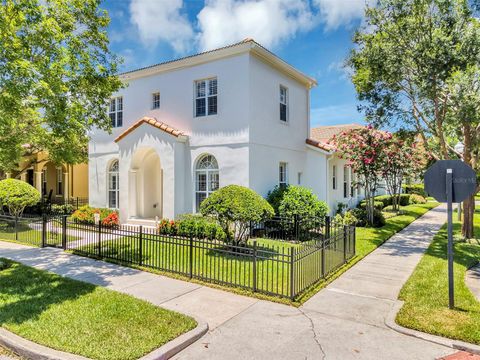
(379, 205)
(404, 199)
(386, 199)
(417, 199)
(349, 218)
(302, 202)
(85, 215)
(417, 189)
(199, 227)
(62, 209)
(16, 195)
(361, 217)
(275, 196)
(234, 207)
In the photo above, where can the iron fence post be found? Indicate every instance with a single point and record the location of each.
(254, 266)
(323, 257)
(327, 226)
(295, 226)
(99, 239)
(292, 273)
(191, 257)
(44, 230)
(346, 234)
(77, 202)
(64, 232)
(140, 246)
(16, 227)
(354, 241)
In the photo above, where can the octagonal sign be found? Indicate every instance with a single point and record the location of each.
(464, 180)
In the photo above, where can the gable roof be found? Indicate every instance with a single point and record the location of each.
(321, 135)
(245, 46)
(153, 122)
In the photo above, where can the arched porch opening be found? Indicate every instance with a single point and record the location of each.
(145, 185)
(52, 181)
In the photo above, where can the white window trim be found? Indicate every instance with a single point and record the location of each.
(117, 189)
(208, 173)
(117, 100)
(285, 165)
(207, 97)
(154, 101)
(287, 117)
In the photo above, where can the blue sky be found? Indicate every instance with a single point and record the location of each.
(312, 35)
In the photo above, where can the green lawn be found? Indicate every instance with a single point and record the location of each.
(83, 319)
(27, 233)
(426, 292)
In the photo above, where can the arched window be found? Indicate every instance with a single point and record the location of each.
(206, 178)
(113, 193)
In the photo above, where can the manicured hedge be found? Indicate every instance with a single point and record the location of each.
(414, 189)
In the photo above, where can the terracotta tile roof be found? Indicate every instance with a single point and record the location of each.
(320, 136)
(151, 121)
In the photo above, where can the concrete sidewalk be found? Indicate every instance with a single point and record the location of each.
(344, 321)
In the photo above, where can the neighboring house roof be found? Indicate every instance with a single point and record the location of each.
(155, 123)
(244, 46)
(320, 136)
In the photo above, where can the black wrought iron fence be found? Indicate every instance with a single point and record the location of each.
(281, 268)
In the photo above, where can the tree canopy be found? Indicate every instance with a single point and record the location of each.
(56, 74)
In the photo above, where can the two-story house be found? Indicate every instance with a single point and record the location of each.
(184, 128)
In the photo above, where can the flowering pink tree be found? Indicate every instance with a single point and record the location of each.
(403, 158)
(363, 148)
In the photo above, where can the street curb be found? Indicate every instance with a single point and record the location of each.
(454, 344)
(178, 344)
(31, 350)
(34, 351)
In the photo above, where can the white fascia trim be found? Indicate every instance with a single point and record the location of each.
(327, 153)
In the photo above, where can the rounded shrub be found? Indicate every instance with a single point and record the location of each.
(234, 207)
(417, 189)
(417, 199)
(16, 195)
(404, 199)
(200, 227)
(379, 205)
(302, 202)
(275, 196)
(386, 199)
(361, 217)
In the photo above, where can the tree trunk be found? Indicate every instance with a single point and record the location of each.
(469, 204)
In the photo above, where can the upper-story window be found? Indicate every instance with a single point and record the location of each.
(283, 104)
(115, 111)
(206, 97)
(283, 174)
(156, 100)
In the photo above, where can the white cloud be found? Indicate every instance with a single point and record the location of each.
(162, 20)
(269, 22)
(336, 13)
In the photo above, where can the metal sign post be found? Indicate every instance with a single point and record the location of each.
(460, 183)
(449, 184)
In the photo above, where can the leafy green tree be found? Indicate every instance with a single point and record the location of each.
(16, 195)
(302, 202)
(234, 207)
(56, 74)
(405, 57)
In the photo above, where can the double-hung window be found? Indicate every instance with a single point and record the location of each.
(283, 104)
(206, 92)
(345, 182)
(115, 111)
(156, 100)
(334, 177)
(283, 174)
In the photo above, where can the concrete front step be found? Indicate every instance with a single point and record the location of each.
(144, 222)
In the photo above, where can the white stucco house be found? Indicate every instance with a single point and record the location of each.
(183, 128)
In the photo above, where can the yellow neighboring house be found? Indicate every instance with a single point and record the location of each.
(57, 183)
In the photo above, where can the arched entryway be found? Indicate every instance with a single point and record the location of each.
(146, 185)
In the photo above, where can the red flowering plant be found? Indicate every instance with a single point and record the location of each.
(363, 148)
(111, 220)
(167, 227)
(403, 158)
